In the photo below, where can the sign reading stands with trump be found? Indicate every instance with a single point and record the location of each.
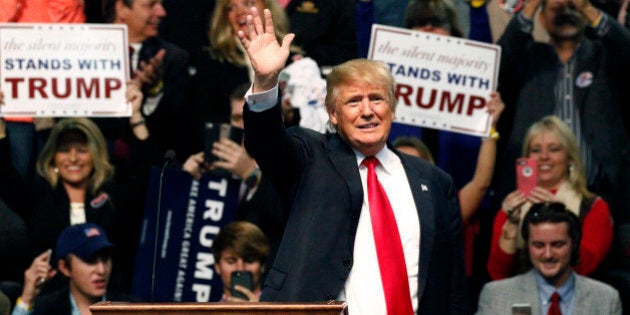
(64, 69)
(442, 82)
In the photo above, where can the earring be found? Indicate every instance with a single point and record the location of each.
(570, 168)
(56, 170)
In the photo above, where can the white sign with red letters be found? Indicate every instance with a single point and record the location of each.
(64, 70)
(442, 82)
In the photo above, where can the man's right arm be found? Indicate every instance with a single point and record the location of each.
(267, 57)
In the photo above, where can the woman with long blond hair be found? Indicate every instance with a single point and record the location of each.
(225, 66)
(561, 178)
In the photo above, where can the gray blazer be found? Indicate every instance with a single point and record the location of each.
(591, 296)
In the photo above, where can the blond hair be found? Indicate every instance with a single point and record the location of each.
(359, 70)
(562, 132)
(95, 141)
(223, 41)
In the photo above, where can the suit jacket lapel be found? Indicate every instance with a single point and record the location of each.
(421, 191)
(530, 291)
(547, 79)
(345, 162)
(581, 296)
(586, 63)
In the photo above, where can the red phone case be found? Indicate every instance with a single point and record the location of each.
(526, 175)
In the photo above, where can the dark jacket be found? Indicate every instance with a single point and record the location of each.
(318, 177)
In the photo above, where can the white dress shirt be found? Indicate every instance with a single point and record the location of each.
(363, 290)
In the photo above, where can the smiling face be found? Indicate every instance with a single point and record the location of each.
(363, 116)
(549, 248)
(74, 162)
(88, 278)
(552, 157)
(143, 18)
(237, 11)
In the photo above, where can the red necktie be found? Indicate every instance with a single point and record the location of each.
(554, 308)
(391, 260)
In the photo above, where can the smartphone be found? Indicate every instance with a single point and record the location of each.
(244, 279)
(41, 281)
(521, 309)
(526, 175)
(215, 131)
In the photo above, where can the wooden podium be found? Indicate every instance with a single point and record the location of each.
(245, 308)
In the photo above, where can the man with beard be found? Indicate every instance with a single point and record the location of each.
(577, 76)
(552, 235)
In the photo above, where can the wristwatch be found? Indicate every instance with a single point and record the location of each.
(252, 179)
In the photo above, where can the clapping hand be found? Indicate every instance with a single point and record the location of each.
(149, 74)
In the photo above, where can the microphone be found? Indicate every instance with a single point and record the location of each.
(168, 158)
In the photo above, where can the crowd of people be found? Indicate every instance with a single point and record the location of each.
(345, 212)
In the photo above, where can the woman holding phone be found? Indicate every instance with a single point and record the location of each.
(552, 148)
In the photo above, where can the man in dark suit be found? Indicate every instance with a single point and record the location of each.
(328, 250)
(161, 70)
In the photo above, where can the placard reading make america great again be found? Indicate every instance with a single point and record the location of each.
(442, 82)
(64, 69)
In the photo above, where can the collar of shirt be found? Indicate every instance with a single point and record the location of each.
(545, 290)
(74, 309)
(385, 156)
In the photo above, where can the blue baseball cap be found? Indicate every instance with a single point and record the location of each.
(82, 240)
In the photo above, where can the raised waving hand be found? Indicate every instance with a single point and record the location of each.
(267, 56)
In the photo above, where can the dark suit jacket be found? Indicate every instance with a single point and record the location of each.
(527, 80)
(325, 29)
(319, 179)
(58, 302)
(169, 123)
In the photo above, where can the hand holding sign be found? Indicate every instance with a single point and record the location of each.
(495, 107)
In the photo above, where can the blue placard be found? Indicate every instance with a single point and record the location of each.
(191, 216)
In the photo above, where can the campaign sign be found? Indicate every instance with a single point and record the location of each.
(191, 215)
(64, 69)
(442, 82)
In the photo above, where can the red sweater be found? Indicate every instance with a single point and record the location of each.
(597, 235)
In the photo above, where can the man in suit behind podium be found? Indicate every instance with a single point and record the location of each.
(366, 224)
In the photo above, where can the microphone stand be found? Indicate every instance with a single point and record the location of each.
(168, 157)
